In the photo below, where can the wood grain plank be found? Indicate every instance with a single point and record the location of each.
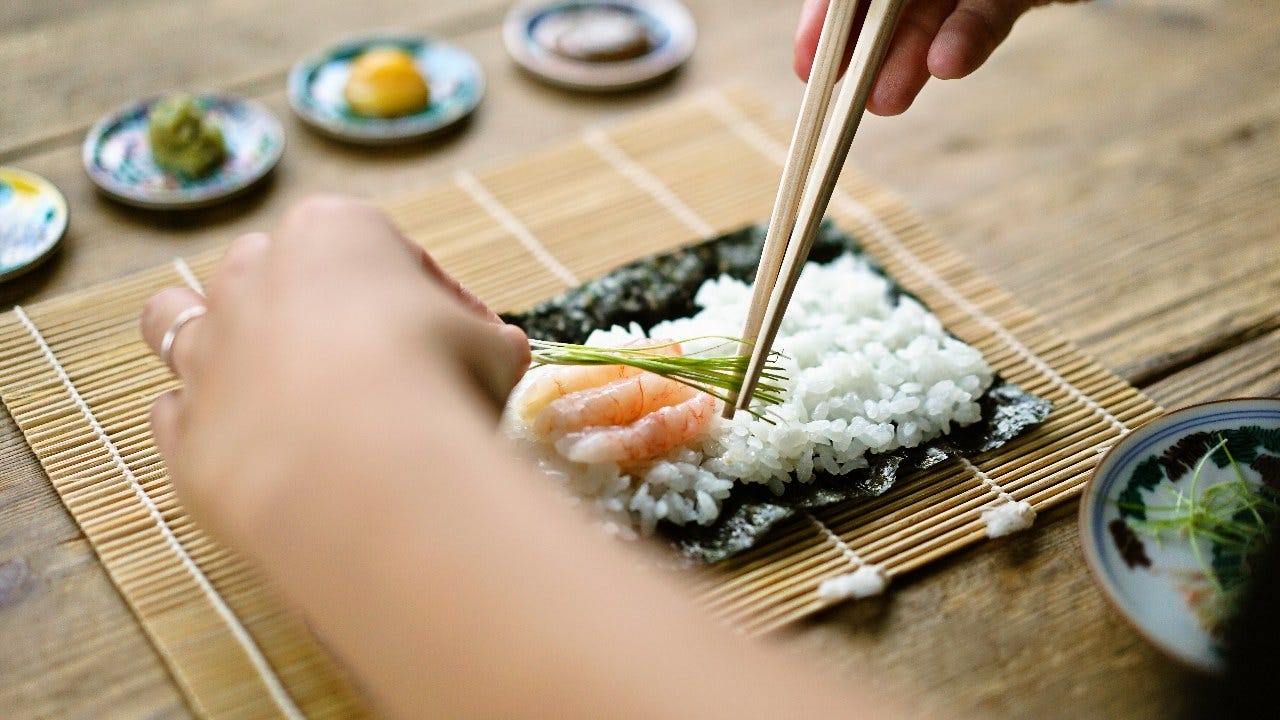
(70, 61)
(72, 648)
(1191, 228)
(1144, 226)
(1251, 369)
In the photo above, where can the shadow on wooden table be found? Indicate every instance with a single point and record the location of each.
(244, 203)
(413, 149)
(30, 282)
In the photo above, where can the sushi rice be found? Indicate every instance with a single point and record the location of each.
(866, 373)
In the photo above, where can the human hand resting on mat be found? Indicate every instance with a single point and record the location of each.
(336, 426)
(946, 39)
(333, 313)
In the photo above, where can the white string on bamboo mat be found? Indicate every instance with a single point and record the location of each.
(507, 220)
(844, 548)
(188, 276)
(274, 686)
(1007, 515)
(985, 478)
(599, 141)
(865, 580)
(754, 135)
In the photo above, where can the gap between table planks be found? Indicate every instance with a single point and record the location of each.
(516, 235)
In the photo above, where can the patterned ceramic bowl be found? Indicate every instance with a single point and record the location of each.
(117, 155)
(1171, 517)
(33, 218)
(541, 34)
(316, 87)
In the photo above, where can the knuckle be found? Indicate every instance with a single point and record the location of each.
(156, 415)
(185, 355)
(318, 207)
(243, 251)
(153, 308)
(982, 23)
(163, 297)
(317, 225)
(241, 257)
(167, 414)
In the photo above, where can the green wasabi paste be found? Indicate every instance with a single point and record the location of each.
(181, 140)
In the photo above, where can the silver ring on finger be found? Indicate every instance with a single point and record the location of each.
(170, 335)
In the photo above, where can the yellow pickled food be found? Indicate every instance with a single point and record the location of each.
(385, 83)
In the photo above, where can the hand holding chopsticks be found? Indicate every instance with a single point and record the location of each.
(799, 208)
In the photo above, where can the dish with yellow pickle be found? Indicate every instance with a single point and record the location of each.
(386, 89)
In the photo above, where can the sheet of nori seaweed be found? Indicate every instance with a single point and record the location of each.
(663, 286)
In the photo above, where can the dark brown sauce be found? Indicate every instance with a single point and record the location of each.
(595, 35)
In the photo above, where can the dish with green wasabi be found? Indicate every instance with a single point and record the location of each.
(182, 151)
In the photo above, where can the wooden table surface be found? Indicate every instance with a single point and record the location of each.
(1116, 166)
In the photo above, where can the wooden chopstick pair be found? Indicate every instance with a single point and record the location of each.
(808, 181)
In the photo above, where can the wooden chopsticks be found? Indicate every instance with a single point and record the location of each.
(799, 208)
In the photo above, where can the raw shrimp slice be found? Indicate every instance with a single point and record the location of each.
(653, 435)
(616, 403)
(553, 381)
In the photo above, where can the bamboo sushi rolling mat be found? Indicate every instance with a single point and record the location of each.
(79, 381)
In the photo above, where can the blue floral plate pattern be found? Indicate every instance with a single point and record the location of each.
(117, 155)
(1158, 581)
(454, 77)
(33, 218)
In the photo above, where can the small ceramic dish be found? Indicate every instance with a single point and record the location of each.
(33, 218)
(1164, 585)
(599, 45)
(117, 155)
(316, 90)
